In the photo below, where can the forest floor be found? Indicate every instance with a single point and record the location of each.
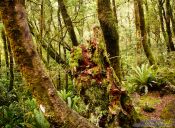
(155, 110)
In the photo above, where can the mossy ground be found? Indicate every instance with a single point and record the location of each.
(164, 113)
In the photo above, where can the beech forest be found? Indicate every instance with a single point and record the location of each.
(87, 63)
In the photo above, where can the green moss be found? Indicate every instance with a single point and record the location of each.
(100, 55)
(76, 56)
(169, 111)
(147, 100)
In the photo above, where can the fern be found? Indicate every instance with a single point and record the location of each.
(41, 121)
(70, 99)
(142, 77)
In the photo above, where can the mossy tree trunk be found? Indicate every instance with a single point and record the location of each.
(5, 47)
(0, 62)
(172, 19)
(114, 8)
(27, 58)
(168, 28)
(11, 65)
(68, 22)
(160, 8)
(8, 59)
(66, 74)
(143, 33)
(148, 23)
(41, 28)
(137, 25)
(111, 36)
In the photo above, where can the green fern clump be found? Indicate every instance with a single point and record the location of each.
(143, 77)
(72, 101)
(23, 115)
(33, 116)
(40, 119)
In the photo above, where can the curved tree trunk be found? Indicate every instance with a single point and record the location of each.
(144, 34)
(16, 26)
(109, 28)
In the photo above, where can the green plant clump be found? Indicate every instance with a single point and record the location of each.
(22, 115)
(72, 100)
(142, 78)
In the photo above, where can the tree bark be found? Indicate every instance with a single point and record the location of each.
(0, 61)
(115, 11)
(148, 23)
(41, 27)
(4, 40)
(160, 7)
(111, 36)
(11, 65)
(8, 59)
(144, 33)
(168, 28)
(26, 56)
(172, 19)
(68, 22)
(66, 75)
(111, 39)
(138, 36)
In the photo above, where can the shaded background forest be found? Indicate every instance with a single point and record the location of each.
(57, 27)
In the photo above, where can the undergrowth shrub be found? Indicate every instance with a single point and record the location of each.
(17, 108)
(141, 78)
(22, 115)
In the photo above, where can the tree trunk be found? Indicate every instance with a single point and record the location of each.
(109, 28)
(111, 39)
(172, 19)
(168, 28)
(68, 22)
(0, 63)
(138, 36)
(144, 33)
(4, 40)
(8, 59)
(26, 56)
(66, 75)
(115, 11)
(10, 67)
(160, 7)
(148, 23)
